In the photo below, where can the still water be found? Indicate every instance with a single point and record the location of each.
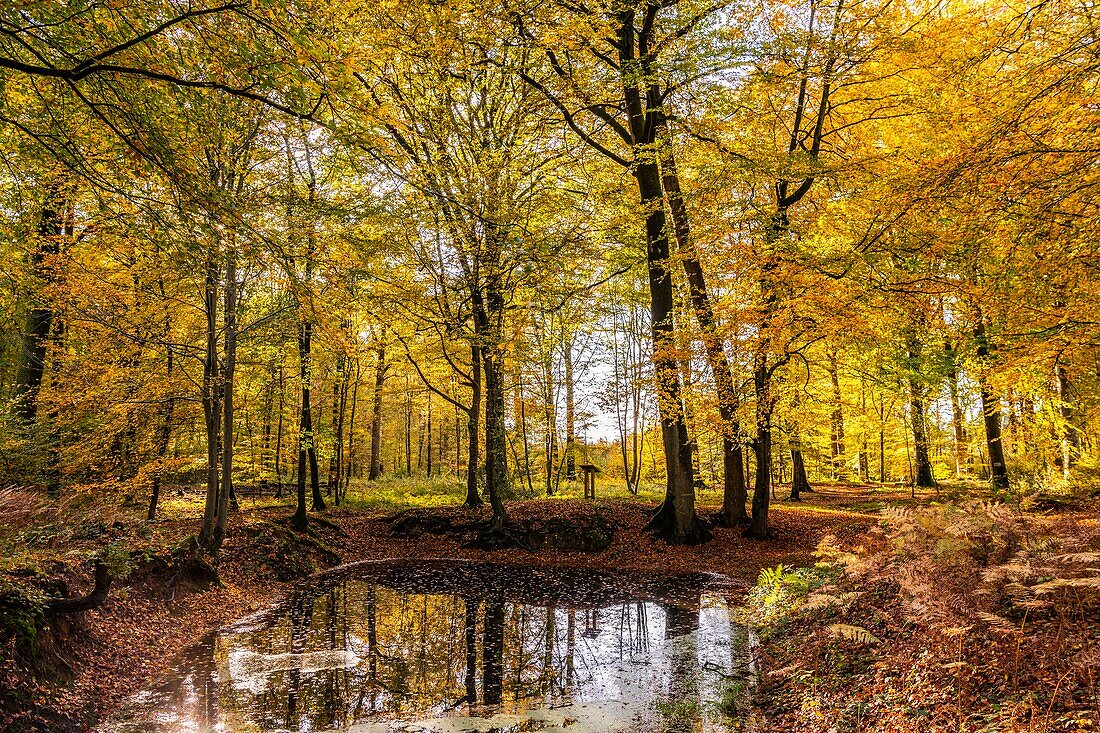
(447, 647)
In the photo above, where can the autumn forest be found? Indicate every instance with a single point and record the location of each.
(798, 293)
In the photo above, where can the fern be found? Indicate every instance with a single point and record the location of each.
(853, 633)
(1053, 585)
(1079, 558)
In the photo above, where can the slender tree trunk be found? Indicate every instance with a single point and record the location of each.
(1070, 439)
(521, 420)
(53, 436)
(762, 382)
(339, 405)
(227, 398)
(881, 456)
(352, 458)
(958, 420)
(428, 437)
(922, 472)
(266, 427)
(864, 459)
(550, 417)
(210, 402)
(164, 434)
(279, 436)
(570, 412)
(840, 465)
(305, 428)
(762, 450)
(306, 436)
(473, 460)
(408, 429)
(376, 415)
(991, 412)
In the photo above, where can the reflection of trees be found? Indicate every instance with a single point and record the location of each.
(633, 630)
(570, 649)
(423, 654)
(549, 632)
(470, 606)
(492, 650)
(301, 616)
(333, 703)
(682, 713)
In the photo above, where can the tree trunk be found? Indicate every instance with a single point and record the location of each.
(734, 493)
(279, 436)
(521, 421)
(210, 402)
(492, 640)
(227, 398)
(375, 472)
(496, 440)
(881, 456)
(408, 429)
(799, 481)
(307, 453)
(864, 457)
(1070, 440)
(922, 471)
(428, 437)
(991, 413)
(689, 422)
(305, 428)
(164, 434)
(840, 467)
(958, 419)
(351, 457)
(675, 520)
(550, 417)
(473, 496)
(339, 407)
(762, 450)
(570, 412)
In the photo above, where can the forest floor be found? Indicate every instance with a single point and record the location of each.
(87, 663)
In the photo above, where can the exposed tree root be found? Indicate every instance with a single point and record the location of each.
(663, 525)
(94, 598)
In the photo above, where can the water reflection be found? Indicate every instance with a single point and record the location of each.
(463, 647)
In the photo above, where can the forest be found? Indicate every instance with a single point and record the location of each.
(591, 301)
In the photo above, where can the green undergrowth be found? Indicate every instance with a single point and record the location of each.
(399, 492)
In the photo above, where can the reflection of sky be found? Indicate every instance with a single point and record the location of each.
(316, 669)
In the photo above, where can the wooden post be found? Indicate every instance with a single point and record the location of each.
(590, 472)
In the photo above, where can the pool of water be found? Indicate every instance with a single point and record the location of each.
(447, 647)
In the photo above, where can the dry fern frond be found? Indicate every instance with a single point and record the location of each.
(817, 601)
(956, 630)
(1079, 558)
(1053, 585)
(998, 622)
(854, 633)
